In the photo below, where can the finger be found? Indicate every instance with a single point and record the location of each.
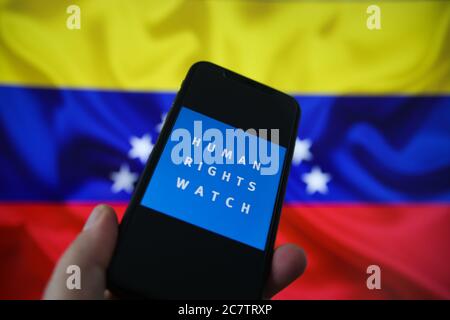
(288, 263)
(91, 252)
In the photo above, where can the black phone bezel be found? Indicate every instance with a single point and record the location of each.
(162, 140)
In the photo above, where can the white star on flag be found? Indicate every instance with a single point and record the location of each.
(123, 179)
(301, 151)
(141, 147)
(160, 125)
(316, 181)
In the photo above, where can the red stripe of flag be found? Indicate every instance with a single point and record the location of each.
(409, 242)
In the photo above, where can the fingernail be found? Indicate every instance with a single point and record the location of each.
(95, 215)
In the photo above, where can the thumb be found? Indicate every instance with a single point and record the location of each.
(91, 252)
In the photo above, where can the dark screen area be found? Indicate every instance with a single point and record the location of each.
(158, 256)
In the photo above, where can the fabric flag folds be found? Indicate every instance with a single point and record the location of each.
(81, 109)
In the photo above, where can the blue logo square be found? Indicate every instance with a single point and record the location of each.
(233, 200)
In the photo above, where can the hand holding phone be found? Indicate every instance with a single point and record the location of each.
(203, 219)
(93, 248)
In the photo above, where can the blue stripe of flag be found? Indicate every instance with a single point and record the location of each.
(63, 144)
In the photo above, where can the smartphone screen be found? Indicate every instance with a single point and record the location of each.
(211, 185)
(203, 219)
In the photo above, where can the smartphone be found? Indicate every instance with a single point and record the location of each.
(202, 221)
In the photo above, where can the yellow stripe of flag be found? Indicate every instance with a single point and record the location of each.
(299, 47)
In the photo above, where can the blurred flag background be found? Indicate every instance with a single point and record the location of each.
(370, 183)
